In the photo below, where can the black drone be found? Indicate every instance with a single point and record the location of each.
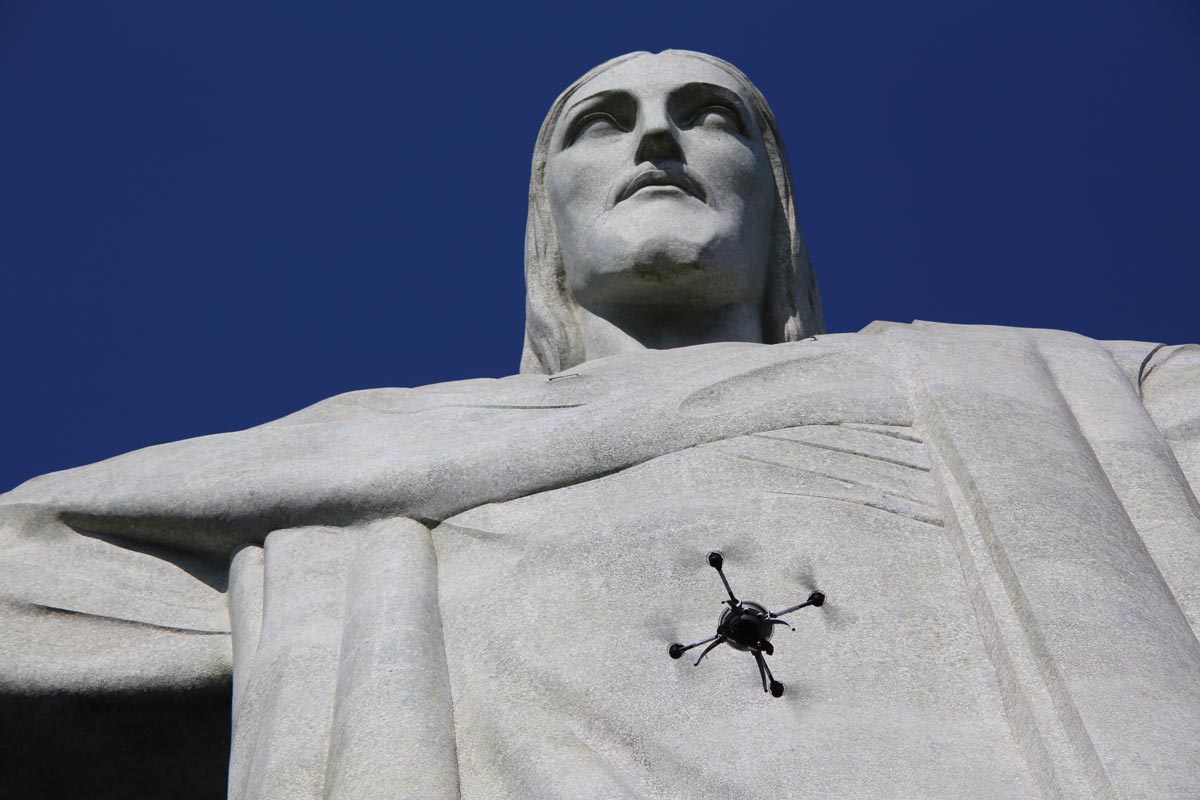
(746, 626)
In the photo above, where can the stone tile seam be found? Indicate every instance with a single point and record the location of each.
(450, 688)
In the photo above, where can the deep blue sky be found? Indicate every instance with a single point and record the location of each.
(212, 214)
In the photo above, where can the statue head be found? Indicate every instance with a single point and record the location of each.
(660, 189)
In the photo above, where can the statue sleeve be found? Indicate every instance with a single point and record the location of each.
(340, 686)
(1169, 383)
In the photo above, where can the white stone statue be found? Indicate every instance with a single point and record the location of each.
(469, 589)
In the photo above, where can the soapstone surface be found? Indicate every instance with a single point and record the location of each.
(468, 590)
(1006, 537)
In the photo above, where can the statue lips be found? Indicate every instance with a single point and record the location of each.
(657, 177)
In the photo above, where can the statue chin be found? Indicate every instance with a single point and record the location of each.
(678, 265)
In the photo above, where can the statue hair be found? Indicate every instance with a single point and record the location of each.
(553, 334)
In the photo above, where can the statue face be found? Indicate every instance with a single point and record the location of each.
(660, 187)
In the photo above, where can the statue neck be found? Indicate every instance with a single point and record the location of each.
(611, 330)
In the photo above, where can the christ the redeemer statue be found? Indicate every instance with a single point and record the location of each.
(469, 589)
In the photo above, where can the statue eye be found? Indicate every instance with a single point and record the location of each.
(717, 117)
(596, 124)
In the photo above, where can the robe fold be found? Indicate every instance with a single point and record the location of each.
(468, 589)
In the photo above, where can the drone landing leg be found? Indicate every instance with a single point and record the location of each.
(762, 668)
(707, 650)
(764, 672)
(676, 650)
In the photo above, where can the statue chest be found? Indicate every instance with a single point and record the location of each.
(558, 610)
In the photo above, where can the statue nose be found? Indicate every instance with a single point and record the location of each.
(658, 144)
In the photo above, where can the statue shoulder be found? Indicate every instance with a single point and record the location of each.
(1134, 357)
(1169, 385)
(1164, 378)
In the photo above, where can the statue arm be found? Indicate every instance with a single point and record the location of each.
(114, 663)
(139, 545)
(88, 612)
(331, 625)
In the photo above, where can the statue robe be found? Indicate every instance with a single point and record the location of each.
(468, 589)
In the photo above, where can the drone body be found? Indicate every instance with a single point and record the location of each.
(746, 626)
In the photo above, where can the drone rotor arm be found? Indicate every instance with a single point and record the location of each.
(717, 562)
(733, 601)
(789, 610)
(814, 599)
(678, 649)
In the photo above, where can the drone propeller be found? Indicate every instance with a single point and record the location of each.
(806, 574)
(732, 548)
(837, 616)
(668, 634)
(833, 615)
